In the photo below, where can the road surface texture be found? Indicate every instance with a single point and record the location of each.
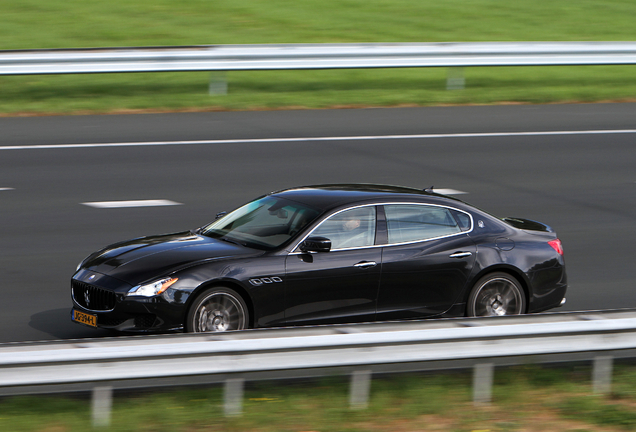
(570, 166)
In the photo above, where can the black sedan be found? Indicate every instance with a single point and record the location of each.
(324, 254)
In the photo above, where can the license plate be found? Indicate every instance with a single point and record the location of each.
(84, 318)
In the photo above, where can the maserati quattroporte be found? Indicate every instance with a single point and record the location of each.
(324, 254)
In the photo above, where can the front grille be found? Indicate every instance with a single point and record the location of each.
(92, 297)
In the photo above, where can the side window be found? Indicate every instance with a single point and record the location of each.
(350, 228)
(408, 223)
(462, 219)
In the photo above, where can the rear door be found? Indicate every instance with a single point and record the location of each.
(427, 262)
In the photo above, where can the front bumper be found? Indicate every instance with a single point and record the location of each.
(105, 298)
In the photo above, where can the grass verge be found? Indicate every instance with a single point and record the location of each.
(312, 89)
(527, 398)
(89, 23)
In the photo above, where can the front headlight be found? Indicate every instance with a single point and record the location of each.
(153, 288)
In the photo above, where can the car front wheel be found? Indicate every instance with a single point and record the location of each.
(496, 294)
(217, 310)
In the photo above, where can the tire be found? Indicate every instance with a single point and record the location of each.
(496, 294)
(217, 310)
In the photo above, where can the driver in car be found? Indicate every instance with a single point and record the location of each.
(353, 234)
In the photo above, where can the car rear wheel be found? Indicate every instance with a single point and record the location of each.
(496, 294)
(217, 310)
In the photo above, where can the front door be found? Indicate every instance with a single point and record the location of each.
(341, 285)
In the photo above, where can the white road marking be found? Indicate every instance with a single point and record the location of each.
(5, 189)
(125, 204)
(449, 191)
(317, 139)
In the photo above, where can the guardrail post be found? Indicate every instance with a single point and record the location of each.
(455, 79)
(602, 375)
(233, 397)
(101, 406)
(482, 383)
(359, 391)
(218, 84)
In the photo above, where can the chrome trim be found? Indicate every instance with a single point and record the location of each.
(472, 226)
(460, 255)
(365, 265)
(265, 280)
(76, 303)
(341, 249)
(562, 302)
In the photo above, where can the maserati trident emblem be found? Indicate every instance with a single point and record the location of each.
(87, 298)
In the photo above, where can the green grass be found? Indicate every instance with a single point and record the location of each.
(31, 24)
(529, 398)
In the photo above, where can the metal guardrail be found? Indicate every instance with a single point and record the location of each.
(315, 56)
(359, 350)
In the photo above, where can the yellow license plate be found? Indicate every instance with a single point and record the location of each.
(84, 318)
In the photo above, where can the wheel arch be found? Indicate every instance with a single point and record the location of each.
(222, 283)
(501, 268)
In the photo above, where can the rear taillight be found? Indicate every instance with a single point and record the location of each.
(557, 246)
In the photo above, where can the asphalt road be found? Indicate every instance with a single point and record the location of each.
(578, 177)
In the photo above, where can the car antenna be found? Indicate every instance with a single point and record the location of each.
(429, 190)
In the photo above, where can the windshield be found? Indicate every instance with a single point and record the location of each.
(266, 223)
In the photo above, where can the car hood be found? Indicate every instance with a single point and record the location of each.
(141, 259)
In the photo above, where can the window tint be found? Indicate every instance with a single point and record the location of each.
(265, 223)
(407, 223)
(462, 219)
(350, 228)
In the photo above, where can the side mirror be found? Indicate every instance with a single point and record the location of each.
(316, 244)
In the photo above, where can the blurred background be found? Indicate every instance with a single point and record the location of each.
(580, 183)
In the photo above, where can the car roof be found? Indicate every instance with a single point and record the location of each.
(328, 196)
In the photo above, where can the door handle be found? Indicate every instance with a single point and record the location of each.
(365, 264)
(461, 254)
